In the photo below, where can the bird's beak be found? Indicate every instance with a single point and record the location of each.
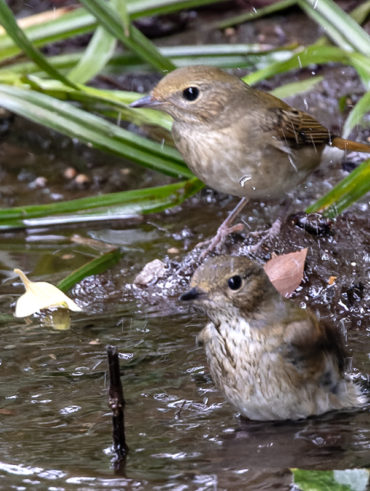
(192, 294)
(147, 101)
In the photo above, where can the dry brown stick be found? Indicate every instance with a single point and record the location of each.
(117, 405)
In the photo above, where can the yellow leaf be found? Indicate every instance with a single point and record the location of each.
(41, 295)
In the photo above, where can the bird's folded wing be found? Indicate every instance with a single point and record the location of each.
(300, 128)
(313, 349)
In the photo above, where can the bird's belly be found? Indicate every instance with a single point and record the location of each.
(252, 389)
(260, 384)
(241, 169)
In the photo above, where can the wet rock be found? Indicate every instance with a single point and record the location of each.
(151, 272)
(314, 223)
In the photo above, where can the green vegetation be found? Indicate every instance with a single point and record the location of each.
(52, 90)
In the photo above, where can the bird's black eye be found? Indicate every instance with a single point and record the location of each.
(235, 282)
(190, 93)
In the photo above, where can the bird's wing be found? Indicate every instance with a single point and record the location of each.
(299, 127)
(315, 350)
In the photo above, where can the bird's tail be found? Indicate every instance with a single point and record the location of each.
(349, 145)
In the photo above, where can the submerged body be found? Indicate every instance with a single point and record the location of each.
(272, 360)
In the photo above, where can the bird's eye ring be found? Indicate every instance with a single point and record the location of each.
(190, 93)
(235, 282)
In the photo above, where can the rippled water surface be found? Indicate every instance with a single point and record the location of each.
(56, 425)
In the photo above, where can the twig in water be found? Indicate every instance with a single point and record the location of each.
(117, 405)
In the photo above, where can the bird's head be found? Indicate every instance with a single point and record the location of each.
(230, 285)
(195, 94)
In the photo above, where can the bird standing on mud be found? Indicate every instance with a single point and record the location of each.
(240, 140)
(272, 359)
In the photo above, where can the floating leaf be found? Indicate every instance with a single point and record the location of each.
(41, 295)
(286, 271)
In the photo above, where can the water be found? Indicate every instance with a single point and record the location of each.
(56, 425)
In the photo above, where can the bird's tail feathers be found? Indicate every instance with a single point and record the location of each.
(349, 145)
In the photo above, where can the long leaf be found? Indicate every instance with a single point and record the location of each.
(312, 55)
(361, 12)
(91, 129)
(97, 54)
(110, 206)
(252, 56)
(137, 42)
(145, 8)
(70, 24)
(121, 8)
(294, 88)
(357, 114)
(345, 193)
(255, 14)
(80, 21)
(8, 21)
(341, 27)
(95, 266)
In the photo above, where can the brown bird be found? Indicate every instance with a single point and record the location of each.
(272, 359)
(237, 139)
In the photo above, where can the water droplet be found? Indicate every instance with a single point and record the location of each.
(244, 179)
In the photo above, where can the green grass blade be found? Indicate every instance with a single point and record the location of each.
(252, 56)
(61, 62)
(136, 42)
(294, 88)
(145, 8)
(345, 193)
(98, 99)
(121, 8)
(79, 21)
(362, 65)
(361, 12)
(341, 27)
(99, 51)
(357, 114)
(103, 207)
(330, 29)
(8, 21)
(255, 14)
(91, 129)
(311, 55)
(95, 266)
(70, 24)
